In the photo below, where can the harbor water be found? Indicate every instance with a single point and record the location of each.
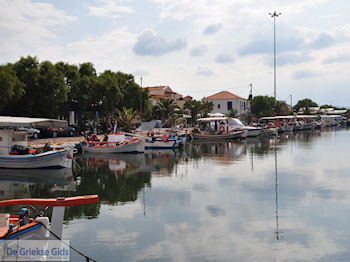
(283, 198)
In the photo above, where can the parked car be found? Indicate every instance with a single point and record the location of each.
(55, 132)
(68, 131)
(32, 132)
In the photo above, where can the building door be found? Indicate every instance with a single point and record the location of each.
(229, 105)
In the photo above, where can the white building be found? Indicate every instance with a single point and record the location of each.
(224, 101)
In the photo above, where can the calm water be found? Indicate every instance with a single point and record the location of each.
(285, 199)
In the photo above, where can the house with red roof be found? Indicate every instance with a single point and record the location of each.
(157, 92)
(224, 101)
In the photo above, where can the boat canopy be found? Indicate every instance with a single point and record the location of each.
(210, 119)
(288, 117)
(276, 117)
(9, 121)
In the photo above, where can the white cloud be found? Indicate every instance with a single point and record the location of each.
(110, 8)
(149, 43)
(224, 58)
(212, 29)
(27, 26)
(198, 50)
(204, 71)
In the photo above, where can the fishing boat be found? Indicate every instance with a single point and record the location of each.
(198, 135)
(16, 153)
(163, 142)
(31, 224)
(115, 143)
(36, 227)
(224, 128)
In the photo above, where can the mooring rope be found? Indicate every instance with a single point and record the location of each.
(76, 250)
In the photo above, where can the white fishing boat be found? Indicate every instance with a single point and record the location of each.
(226, 128)
(160, 144)
(163, 142)
(198, 135)
(16, 153)
(116, 143)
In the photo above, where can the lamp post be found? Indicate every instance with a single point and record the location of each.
(274, 15)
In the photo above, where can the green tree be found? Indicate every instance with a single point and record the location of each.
(27, 71)
(305, 103)
(11, 88)
(125, 118)
(52, 98)
(194, 107)
(108, 92)
(232, 113)
(262, 106)
(206, 108)
(166, 107)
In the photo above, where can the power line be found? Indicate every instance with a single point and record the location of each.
(214, 90)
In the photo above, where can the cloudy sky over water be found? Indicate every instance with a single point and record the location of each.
(197, 47)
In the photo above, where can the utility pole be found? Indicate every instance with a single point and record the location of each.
(291, 102)
(274, 15)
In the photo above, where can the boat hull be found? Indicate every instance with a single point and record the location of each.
(160, 144)
(233, 135)
(130, 147)
(50, 159)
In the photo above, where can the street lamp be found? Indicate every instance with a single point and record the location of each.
(274, 15)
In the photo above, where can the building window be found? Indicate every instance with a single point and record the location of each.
(218, 106)
(244, 105)
(229, 105)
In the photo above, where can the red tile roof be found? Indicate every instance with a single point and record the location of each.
(222, 95)
(157, 87)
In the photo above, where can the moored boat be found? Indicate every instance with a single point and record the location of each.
(16, 153)
(30, 224)
(116, 143)
(214, 136)
(32, 227)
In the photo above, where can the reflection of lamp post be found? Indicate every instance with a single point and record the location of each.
(274, 15)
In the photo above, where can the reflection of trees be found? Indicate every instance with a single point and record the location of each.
(111, 187)
(220, 150)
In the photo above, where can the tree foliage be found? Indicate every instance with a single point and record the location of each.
(31, 88)
(125, 118)
(262, 106)
(232, 113)
(166, 108)
(304, 103)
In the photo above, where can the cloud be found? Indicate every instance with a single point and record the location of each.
(289, 58)
(212, 29)
(304, 74)
(203, 71)
(322, 41)
(141, 72)
(336, 59)
(26, 27)
(149, 43)
(110, 8)
(198, 50)
(224, 58)
(263, 45)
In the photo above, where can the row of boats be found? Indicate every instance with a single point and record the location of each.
(15, 152)
(222, 128)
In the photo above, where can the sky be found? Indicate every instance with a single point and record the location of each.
(197, 47)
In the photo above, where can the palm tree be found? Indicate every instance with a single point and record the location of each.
(232, 113)
(166, 107)
(125, 118)
(207, 107)
(194, 107)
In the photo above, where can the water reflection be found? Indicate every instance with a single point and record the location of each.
(281, 198)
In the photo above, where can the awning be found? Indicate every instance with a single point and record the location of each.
(9, 121)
